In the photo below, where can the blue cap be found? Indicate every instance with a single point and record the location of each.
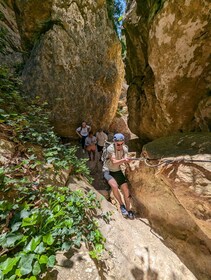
(118, 137)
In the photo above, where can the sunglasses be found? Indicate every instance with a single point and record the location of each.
(118, 144)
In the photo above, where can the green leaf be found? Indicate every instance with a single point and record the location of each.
(48, 238)
(43, 259)
(16, 226)
(30, 221)
(11, 239)
(33, 243)
(26, 264)
(8, 264)
(40, 248)
(51, 261)
(36, 268)
(33, 278)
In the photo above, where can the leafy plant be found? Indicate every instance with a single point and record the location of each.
(38, 219)
(32, 235)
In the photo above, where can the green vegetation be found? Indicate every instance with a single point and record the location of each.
(38, 217)
(154, 6)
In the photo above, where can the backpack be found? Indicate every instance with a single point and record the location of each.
(104, 156)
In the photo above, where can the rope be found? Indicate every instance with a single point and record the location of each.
(167, 161)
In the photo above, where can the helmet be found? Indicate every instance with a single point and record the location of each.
(118, 137)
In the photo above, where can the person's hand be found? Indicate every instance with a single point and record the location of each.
(127, 159)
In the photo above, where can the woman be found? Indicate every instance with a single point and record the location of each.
(83, 132)
(90, 143)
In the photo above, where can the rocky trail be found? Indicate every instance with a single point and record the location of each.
(133, 249)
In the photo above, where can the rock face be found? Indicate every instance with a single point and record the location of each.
(74, 60)
(168, 67)
(176, 197)
(10, 46)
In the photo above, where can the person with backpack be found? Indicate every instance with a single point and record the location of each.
(83, 132)
(101, 137)
(117, 154)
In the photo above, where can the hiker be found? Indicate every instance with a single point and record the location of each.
(117, 154)
(90, 144)
(83, 132)
(101, 137)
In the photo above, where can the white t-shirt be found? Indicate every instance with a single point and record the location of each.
(101, 138)
(84, 131)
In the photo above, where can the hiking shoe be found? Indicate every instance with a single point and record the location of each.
(131, 215)
(123, 211)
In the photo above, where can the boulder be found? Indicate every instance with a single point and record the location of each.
(74, 61)
(168, 67)
(174, 193)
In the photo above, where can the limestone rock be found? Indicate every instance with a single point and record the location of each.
(168, 67)
(176, 197)
(10, 45)
(75, 64)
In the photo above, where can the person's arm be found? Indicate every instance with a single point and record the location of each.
(87, 142)
(94, 140)
(78, 132)
(119, 161)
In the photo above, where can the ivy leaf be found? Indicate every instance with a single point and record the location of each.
(26, 264)
(11, 238)
(40, 248)
(36, 268)
(51, 261)
(30, 247)
(8, 264)
(30, 221)
(43, 259)
(16, 226)
(48, 238)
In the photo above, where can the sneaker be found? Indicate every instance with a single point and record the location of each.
(131, 215)
(123, 211)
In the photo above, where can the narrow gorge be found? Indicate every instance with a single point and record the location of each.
(138, 67)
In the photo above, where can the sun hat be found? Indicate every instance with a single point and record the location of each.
(118, 137)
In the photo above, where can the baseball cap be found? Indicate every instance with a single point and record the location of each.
(118, 137)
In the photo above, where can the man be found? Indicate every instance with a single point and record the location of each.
(117, 154)
(101, 139)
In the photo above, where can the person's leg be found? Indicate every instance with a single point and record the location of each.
(89, 154)
(126, 194)
(83, 141)
(93, 152)
(113, 184)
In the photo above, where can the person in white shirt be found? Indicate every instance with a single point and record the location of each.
(101, 139)
(83, 132)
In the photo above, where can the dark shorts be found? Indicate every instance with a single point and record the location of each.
(99, 148)
(118, 176)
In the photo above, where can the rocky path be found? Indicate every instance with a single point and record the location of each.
(133, 250)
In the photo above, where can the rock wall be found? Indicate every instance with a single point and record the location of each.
(72, 60)
(175, 197)
(10, 45)
(168, 67)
